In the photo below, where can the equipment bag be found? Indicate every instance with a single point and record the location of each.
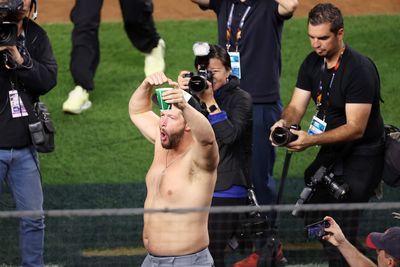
(391, 165)
(42, 130)
(40, 124)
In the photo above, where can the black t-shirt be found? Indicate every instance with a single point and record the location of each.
(356, 81)
(259, 47)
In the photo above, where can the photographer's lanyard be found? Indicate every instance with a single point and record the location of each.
(235, 55)
(239, 30)
(17, 106)
(321, 109)
(318, 124)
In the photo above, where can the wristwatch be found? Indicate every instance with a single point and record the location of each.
(212, 108)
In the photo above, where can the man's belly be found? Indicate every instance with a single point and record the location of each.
(175, 234)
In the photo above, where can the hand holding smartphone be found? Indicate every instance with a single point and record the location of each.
(317, 230)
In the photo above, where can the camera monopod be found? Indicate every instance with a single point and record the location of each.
(269, 251)
(285, 170)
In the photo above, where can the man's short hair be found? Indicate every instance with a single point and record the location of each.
(389, 241)
(326, 13)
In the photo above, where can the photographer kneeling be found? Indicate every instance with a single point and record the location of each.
(347, 124)
(229, 110)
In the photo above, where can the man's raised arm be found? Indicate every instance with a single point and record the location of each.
(203, 133)
(205, 147)
(140, 105)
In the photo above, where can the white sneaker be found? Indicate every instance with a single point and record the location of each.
(78, 101)
(154, 61)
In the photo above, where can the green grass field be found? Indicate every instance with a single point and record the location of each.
(102, 146)
(101, 159)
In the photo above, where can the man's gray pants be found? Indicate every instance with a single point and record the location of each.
(201, 259)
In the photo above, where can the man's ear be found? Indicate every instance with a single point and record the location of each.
(390, 260)
(340, 33)
(187, 128)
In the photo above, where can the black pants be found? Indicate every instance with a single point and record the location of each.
(85, 15)
(222, 226)
(362, 172)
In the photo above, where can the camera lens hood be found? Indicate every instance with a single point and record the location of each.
(197, 83)
(280, 136)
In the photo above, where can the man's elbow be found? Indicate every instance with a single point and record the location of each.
(358, 132)
(133, 118)
(292, 5)
(134, 114)
(133, 108)
(289, 7)
(203, 4)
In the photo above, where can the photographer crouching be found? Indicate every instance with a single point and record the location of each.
(347, 124)
(27, 69)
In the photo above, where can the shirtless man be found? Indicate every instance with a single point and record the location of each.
(182, 175)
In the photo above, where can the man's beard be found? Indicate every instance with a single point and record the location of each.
(173, 140)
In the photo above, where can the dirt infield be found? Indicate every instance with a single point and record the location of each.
(53, 11)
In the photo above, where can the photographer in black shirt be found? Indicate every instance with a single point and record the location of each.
(27, 70)
(347, 125)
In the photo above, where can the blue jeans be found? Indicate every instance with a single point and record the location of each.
(20, 169)
(264, 154)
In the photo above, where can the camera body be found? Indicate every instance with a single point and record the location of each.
(8, 7)
(317, 229)
(281, 136)
(198, 80)
(9, 10)
(321, 178)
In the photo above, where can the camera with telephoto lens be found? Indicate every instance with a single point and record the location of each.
(9, 11)
(321, 179)
(255, 224)
(281, 136)
(198, 80)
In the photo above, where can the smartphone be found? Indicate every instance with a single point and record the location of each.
(316, 230)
